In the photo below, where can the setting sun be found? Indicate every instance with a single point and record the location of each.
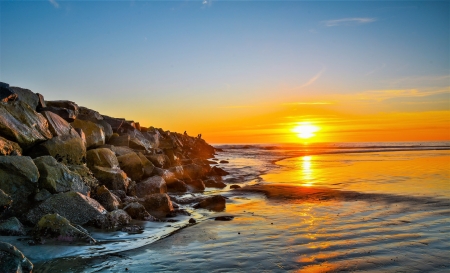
(305, 130)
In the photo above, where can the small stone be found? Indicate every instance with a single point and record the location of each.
(192, 221)
(235, 187)
(224, 218)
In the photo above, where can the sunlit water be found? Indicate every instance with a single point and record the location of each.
(367, 210)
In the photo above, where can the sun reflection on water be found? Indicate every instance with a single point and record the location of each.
(307, 171)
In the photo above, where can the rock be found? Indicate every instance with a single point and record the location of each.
(86, 174)
(131, 164)
(218, 171)
(95, 135)
(6, 93)
(168, 176)
(123, 140)
(5, 201)
(235, 187)
(56, 124)
(195, 185)
(114, 219)
(56, 177)
(42, 195)
(224, 161)
(18, 179)
(177, 186)
(147, 165)
(136, 211)
(121, 194)
(112, 178)
(137, 144)
(193, 171)
(215, 203)
(153, 137)
(13, 260)
(134, 229)
(74, 206)
(192, 221)
(159, 160)
(224, 218)
(95, 117)
(41, 102)
(115, 123)
(11, 227)
(21, 124)
(108, 200)
(101, 157)
(157, 204)
(178, 171)
(120, 150)
(177, 212)
(154, 184)
(27, 96)
(131, 190)
(68, 110)
(212, 183)
(55, 227)
(9, 147)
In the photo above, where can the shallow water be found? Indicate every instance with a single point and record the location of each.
(372, 211)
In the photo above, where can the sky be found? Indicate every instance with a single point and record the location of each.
(241, 71)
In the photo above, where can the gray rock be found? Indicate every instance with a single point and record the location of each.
(214, 203)
(114, 219)
(21, 124)
(195, 185)
(86, 174)
(101, 157)
(6, 93)
(157, 204)
(154, 184)
(177, 186)
(5, 201)
(108, 200)
(9, 147)
(136, 211)
(18, 178)
(56, 124)
(168, 176)
(42, 195)
(56, 177)
(159, 160)
(132, 165)
(95, 136)
(68, 110)
(77, 208)
(13, 260)
(123, 140)
(147, 165)
(27, 96)
(11, 227)
(112, 178)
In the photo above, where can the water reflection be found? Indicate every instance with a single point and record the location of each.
(307, 171)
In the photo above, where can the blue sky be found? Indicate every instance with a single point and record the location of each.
(127, 57)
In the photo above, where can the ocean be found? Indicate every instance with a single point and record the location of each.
(336, 207)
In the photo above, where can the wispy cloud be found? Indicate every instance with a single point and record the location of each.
(308, 103)
(348, 21)
(54, 3)
(380, 95)
(312, 80)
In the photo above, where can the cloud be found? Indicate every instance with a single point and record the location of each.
(54, 3)
(348, 21)
(308, 103)
(237, 106)
(376, 69)
(312, 80)
(380, 95)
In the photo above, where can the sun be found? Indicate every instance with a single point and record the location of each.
(305, 130)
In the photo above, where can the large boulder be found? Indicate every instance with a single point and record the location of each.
(5, 201)
(120, 150)
(157, 204)
(13, 260)
(56, 177)
(101, 157)
(68, 110)
(123, 140)
(177, 186)
(27, 96)
(68, 149)
(195, 185)
(153, 136)
(95, 136)
(194, 171)
(9, 147)
(214, 182)
(54, 227)
(159, 160)
(136, 211)
(56, 124)
(112, 178)
(147, 165)
(11, 227)
(86, 174)
(132, 165)
(95, 117)
(108, 200)
(77, 208)
(6, 93)
(114, 219)
(18, 178)
(21, 124)
(214, 203)
(154, 184)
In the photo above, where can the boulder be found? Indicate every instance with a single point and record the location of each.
(147, 165)
(68, 110)
(42, 195)
(95, 135)
(214, 203)
(95, 117)
(41, 102)
(108, 200)
(137, 144)
(159, 160)
(154, 184)
(168, 176)
(115, 123)
(123, 140)
(101, 157)
(54, 227)
(11, 227)
(136, 211)
(56, 124)
(18, 179)
(131, 190)
(86, 174)
(177, 186)
(178, 171)
(195, 185)
(121, 150)
(68, 149)
(13, 260)
(153, 137)
(114, 219)
(9, 147)
(157, 204)
(77, 208)
(21, 124)
(5, 201)
(27, 96)
(56, 177)
(218, 171)
(6, 93)
(193, 171)
(235, 187)
(213, 183)
(112, 178)
(131, 164)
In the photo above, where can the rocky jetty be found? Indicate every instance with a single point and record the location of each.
(63, 166)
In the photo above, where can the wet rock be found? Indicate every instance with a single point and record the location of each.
(101, 157)
(159, 160)
(123, 140)
(77, 208)
(168, 176)
(54, 227)
(131, 164)
(134, 229)
(195, 185)
(108, 200)
(9, 147)
(136, 211)
(114, 219)
(218, 171)
(120, 150)
(192, 221)
(213, 183)
(56, 177)
(224, 218)
(86, 175)
(112, 178)
(18, 179)
(11, 227)
(224, 161)
(94, 133)
(68, 149)
(147, 165)
(27, 96)
(121, 194)
(153, 137)
(21, 124)
(13, 260)
(178, 171)
(154, 184)
(6, 93)
(68, 110)
(177, 212)
(157, 204)
(56, 124)
(215, 203)
(177, 186)
(235, 187)
(5, 201)
(42, 195)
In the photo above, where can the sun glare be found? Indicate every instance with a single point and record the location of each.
(305, 130)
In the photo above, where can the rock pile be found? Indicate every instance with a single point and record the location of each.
(63, 165)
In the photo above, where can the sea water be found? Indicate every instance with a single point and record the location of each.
(315, 208)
